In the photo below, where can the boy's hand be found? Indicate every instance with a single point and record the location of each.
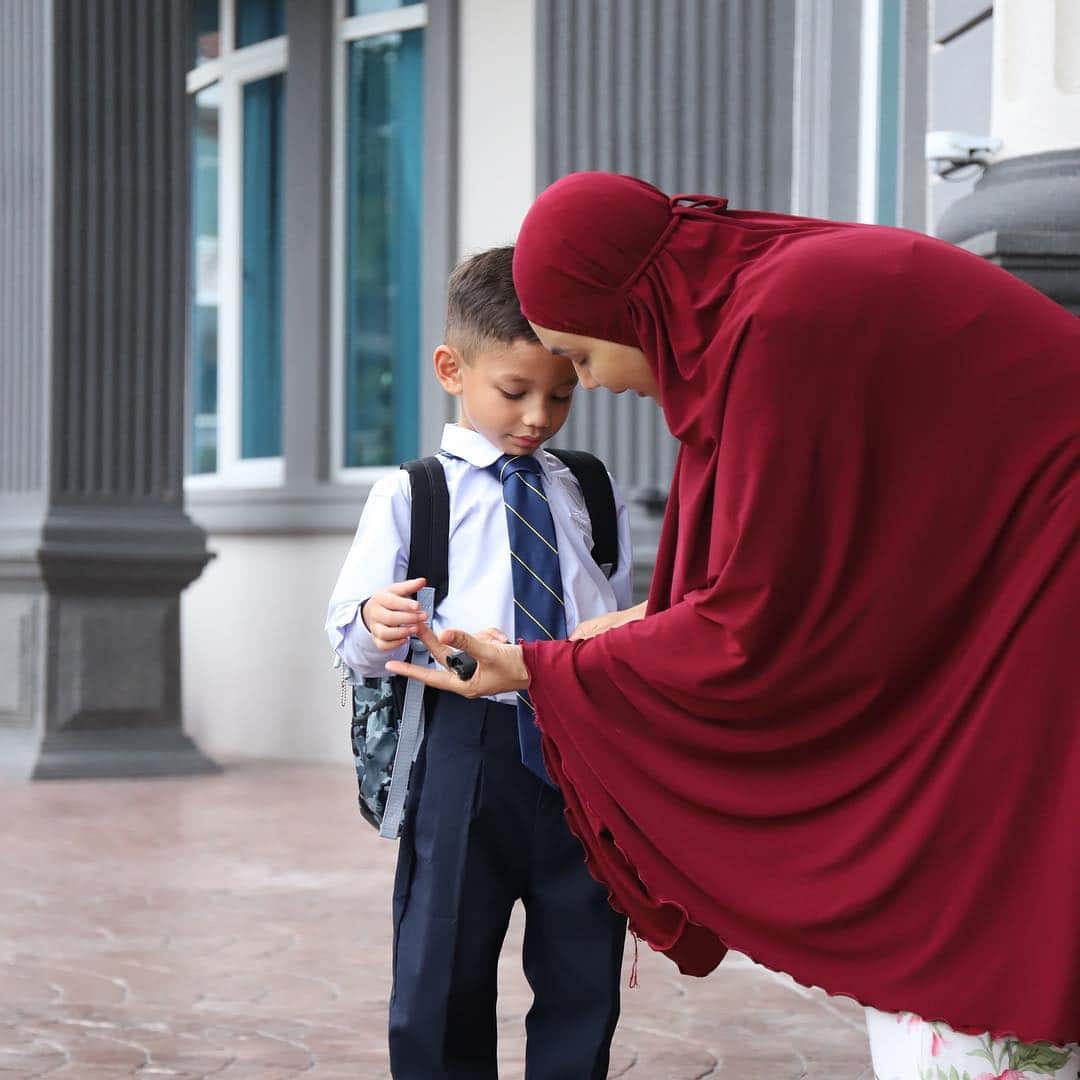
(391, 616)
(602, 623)
(500, 668)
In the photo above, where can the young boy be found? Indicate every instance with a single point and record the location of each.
(484, 827)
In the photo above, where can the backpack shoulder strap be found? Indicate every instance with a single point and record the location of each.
(430, 539)
(599, 501)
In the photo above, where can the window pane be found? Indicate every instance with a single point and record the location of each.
(370, 7)
(382, 342)
(257, 20)
(202, 387)
(263, 174)
(205, 24)
(888, 114)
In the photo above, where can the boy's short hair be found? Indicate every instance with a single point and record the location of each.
(482, 306)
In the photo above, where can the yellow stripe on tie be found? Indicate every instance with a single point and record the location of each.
(535, 491)
(515, 555)
(506, 464)
(528, 703)
(525, 522)
(534, 618)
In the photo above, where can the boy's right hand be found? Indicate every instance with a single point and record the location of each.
(391, 616)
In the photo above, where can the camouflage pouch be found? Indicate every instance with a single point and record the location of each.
(387, 731)
(377, 709)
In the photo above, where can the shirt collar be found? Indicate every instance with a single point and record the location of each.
(472, 447)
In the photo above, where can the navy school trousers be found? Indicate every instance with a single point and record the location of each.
(482, 832)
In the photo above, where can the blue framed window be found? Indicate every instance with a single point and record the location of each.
(383, 179)
(263, 176)
(237, 88)
(375, 7)
(258, 20)
(203, 367)
(888, 157)
(206, 25)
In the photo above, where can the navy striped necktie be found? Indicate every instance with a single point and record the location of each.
(539, 613)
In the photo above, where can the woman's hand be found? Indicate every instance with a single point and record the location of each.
(499, 668)
(602, 623)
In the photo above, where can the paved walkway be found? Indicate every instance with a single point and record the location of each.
(236, 927)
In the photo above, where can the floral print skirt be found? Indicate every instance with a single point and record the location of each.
(903, 1047)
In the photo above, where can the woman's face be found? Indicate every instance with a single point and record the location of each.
(602, 363)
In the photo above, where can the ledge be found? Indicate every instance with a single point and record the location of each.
(259, 511)
(333, 508)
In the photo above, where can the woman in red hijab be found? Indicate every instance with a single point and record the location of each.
(844, 739)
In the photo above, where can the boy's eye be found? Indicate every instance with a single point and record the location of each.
(512, 397)
(560, 398)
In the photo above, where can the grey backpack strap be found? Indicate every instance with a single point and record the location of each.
(410, 731)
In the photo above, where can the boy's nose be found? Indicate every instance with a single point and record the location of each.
(586, 380)
(536, 417)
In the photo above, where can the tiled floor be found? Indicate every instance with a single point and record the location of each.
(237, 927)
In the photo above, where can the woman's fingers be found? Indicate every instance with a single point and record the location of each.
(435, 677)
(463, 642)
(434, 645)
(500, 667)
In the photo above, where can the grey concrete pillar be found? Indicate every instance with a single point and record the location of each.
(693, 96)
(1024, 213)
(95, 546)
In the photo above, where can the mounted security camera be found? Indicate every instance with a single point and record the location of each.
(949, 152)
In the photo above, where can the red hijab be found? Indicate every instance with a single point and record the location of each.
(845, 740)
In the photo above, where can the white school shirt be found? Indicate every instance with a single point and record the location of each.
(481, 591)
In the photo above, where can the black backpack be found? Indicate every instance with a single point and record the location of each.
(378, 703)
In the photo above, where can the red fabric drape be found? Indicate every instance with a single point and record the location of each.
(845, 740)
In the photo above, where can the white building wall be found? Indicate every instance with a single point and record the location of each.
(1036, 76)
(497, 160)
(257, 680)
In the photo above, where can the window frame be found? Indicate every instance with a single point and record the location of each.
(233, 70)
(889, 105)
(349, 29)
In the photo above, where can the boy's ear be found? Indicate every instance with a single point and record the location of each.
(448, 363)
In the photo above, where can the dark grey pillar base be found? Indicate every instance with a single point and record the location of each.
(90, 647)
(1024, 215)
(101, 754)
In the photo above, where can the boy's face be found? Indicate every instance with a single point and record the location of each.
(517, 396)
(603, 363)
